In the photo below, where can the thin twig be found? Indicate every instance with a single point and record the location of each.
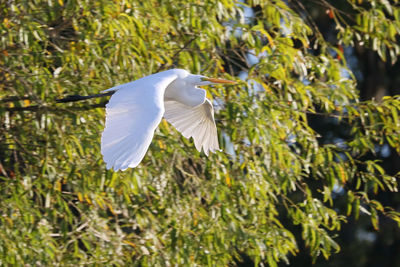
(297, 5)
(177, 53)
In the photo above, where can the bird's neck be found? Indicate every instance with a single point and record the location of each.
(187, 95)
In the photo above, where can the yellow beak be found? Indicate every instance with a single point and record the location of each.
(214, 80)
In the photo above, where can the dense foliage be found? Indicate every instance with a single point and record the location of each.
(275, 173)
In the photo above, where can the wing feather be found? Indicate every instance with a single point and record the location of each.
(198, 142)
(132, 114)
(197, 122)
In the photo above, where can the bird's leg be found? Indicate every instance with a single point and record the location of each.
(74, 98)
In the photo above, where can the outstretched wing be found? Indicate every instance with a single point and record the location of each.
(132, 114)
(197, 122)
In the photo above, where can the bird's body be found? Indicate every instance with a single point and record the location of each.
(136, 108)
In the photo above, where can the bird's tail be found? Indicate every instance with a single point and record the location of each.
(74, 98)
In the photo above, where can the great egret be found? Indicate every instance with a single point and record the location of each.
(136, 108)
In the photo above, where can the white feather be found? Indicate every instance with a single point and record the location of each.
(197, 122)
(132, 114)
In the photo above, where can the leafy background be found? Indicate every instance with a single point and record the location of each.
(310, 135)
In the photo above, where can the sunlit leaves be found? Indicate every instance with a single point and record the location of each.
(376, 26)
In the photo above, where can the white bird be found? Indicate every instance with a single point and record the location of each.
(136, 108)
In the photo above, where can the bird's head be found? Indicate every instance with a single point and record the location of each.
(200, 80)
(186, 78)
